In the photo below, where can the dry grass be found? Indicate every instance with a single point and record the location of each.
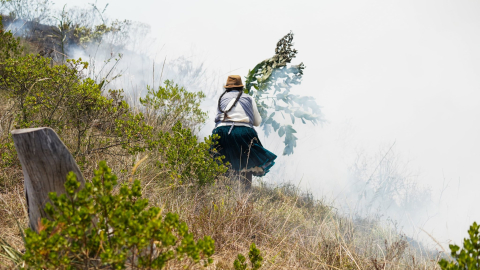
(293, 230)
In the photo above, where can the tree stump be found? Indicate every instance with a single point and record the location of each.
(45, 163)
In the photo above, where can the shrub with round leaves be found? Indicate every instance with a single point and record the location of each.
(95, 228)
(184, 159)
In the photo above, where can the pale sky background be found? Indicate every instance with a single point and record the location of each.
(384, 71)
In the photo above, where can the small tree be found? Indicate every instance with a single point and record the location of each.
(94, 228)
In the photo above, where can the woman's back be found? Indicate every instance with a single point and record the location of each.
(243, 110)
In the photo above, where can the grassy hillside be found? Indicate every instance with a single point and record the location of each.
(292, 229)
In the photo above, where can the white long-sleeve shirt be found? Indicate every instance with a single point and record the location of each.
(238, 115)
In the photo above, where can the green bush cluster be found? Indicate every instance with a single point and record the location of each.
(8, 154)
(469, 256)
(185, 160)
(171, 103)
(255, 259)
(94, 228)
(57, 97)
(9, 45)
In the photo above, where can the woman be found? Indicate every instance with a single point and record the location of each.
(237, 113)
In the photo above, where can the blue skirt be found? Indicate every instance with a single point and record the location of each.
(243, 150)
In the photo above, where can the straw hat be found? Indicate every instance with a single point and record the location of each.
(234, 81)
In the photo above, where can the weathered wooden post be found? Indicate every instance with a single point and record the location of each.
(45, 163)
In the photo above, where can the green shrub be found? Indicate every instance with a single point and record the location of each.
(9, 165)
(8, 155)
(469, 256)
(184, 159)
(171, 104)
(57, 96)
(255, 259)
(95, 228)
(9, 45)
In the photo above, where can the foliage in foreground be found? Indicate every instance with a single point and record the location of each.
(95, 227)
(469, 256)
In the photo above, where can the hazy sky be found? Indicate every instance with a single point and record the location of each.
(384, 71)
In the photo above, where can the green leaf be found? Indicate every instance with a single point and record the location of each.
(275, 125)
(290, 140)
(281, 131)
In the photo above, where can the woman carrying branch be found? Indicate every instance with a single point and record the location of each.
(237, 113)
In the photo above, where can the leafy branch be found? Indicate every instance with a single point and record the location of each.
(270, 83)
